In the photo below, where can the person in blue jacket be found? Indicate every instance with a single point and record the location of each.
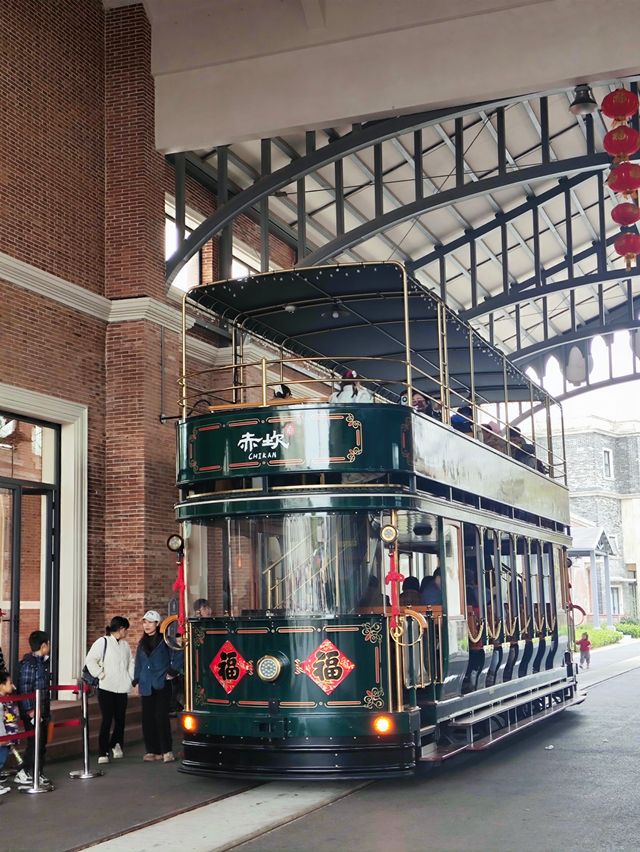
(155, 665)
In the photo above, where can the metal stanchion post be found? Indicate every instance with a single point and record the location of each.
(85, 772)
(36, 786)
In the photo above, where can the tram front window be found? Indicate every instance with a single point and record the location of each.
(294, 564)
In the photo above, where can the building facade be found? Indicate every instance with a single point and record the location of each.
(603, 461)
(89, 334)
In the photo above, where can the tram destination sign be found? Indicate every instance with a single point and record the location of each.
(321, 438)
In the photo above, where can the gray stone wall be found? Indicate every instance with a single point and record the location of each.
(586, 473)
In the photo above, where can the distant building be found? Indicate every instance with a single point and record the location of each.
(603, 462)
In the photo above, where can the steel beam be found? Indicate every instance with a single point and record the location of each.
(448, 197)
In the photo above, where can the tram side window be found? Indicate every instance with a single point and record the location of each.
(522, 580)
(508, 583)
(550, 601)
(491, 546)
(454, 590)
(560, 590)
(537, 599)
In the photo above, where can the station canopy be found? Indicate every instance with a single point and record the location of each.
(351, 317)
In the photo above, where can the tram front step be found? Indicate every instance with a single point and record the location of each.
(520, 725)
(498, 708)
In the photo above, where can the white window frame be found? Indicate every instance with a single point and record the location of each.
(618, 591)
(607, 451)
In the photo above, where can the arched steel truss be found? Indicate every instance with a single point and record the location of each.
(554, 219)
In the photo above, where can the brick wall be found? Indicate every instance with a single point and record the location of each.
(52, 137)
(83, 198)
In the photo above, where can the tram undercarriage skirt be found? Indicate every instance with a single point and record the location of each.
(338, 757)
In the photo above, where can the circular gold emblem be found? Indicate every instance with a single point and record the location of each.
(388, 534)
(268, 668)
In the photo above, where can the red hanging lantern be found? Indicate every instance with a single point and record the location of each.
(625, 214)
(620, 105)
(624, 178)
(621, 142)
(627, 245)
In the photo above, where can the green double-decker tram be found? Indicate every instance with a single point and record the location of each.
(374, 513)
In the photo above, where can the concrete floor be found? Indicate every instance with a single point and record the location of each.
(79, 813)
(581, 795)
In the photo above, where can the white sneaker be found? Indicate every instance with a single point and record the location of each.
(168, 757)
(4, 790)
(104, 758)
(22, 777)
(117, 752)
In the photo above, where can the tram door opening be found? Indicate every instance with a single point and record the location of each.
(28, 538)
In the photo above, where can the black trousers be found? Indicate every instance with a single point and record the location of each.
(30, 752)
(156, 727)
(113, 707)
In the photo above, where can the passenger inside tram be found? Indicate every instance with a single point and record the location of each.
(410, 595)
(431, 589)
(282, 392)
(202, 608)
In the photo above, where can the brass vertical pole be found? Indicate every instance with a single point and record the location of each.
(547, 405)
(564, 449)
(183, 378)
(407, 342)
(234, 363)
(264, 381)
(533, 420)
(472, 388)
(506, 403)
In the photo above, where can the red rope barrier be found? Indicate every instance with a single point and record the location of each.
(75, 688)
(12, 738)
(69, 723)
(9, 699)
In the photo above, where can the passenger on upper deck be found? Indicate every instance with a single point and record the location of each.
(462, 420)
(351, 390)
(520, 449)
(282, 391)
(490, 435)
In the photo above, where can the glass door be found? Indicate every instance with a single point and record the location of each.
(28, 588)
(8, 557)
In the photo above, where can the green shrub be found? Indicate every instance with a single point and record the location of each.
(599, 636)
(629, 628)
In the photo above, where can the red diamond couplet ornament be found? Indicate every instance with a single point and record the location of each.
(229, 667)
(326, 666)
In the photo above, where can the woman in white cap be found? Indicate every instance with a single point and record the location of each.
(109, 659)
(153, 670)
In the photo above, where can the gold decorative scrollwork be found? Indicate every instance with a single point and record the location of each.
(372, 631)
(198, 636)
(374, 698)
(200, 695)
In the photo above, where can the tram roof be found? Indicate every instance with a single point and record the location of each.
(295, 309)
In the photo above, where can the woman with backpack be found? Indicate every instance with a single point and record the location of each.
(109, 659)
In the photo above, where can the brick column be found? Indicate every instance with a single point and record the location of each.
(140, 467)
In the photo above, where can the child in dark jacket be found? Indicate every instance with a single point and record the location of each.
(154, 666)
(34, 674)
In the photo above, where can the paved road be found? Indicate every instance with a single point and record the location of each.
(580, 795)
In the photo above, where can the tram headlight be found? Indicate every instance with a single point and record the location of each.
(269, 668)
(189, 723)
(383, 724)
(175, 542)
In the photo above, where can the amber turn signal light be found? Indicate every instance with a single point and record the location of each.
(189, 723)
(382, 725)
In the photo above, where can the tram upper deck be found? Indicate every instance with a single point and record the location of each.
(489, 436)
